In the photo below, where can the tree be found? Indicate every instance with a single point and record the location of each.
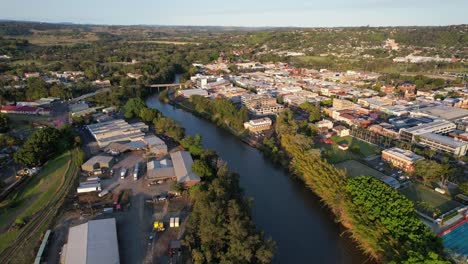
(429, 170)
(147, 114)
(463, 187)
(133, 107)
(36, 89)
(3, 123)
(201, 168)
(312, 110)
(177, 186)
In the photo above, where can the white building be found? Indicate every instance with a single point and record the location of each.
(92, 243)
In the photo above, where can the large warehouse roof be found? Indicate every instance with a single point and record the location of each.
(182, 161)
(94, 242)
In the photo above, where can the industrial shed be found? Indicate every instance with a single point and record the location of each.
(94, 242)
(97, 162)
(182, 161)
(160, 170)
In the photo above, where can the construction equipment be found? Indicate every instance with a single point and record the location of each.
(158, 226)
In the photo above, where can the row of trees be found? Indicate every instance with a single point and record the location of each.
(43, 144)
(221, 111)
(219, 228)
(382, 221)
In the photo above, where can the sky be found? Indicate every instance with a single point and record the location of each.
(256, 13)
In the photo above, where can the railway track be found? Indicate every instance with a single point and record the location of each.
(44, 216)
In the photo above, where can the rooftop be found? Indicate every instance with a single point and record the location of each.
(403, 154)
(182, 161)
(93, 242)
(445, 140)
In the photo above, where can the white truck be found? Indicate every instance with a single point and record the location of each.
(123, 171)
(135, 172)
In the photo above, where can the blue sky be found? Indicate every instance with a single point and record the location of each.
(300, 13)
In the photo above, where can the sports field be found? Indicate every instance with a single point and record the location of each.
(355, 168)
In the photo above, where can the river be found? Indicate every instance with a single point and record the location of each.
(283, 207)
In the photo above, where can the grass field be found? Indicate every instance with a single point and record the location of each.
(355, 168)
(337, 155)
(35, 195)
(417, 192)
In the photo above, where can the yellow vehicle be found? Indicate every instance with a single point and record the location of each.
(158, 226)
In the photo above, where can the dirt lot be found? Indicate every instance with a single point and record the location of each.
(134, 223)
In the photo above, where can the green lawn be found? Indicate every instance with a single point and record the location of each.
(417, 192)
(37, 192)
(355, 168)
(336, 155)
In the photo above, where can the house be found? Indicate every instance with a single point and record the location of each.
(343, 146)
(97, 162)
(92, 242)
(182, 162)
(400, 158)
(341, 131)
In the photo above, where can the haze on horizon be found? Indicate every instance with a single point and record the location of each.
(259, 13)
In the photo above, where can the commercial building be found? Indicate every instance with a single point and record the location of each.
(182, 161)
(438, 127)
(443, 112)
(260, 105)
(94, 242)
(117, 131)
(97, 162)
(260, 124)
(443, 143)
(155, 145)
(403, 159)
(341, 104)
(160, 169)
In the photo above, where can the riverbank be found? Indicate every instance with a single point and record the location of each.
(343, 211)
(283, 205)
(183, 104)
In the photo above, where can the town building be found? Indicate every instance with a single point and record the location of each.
(324, 124)
(261, 105)
(400, 158)
(189, 92)
(385, 129)
(341, 104)
(91, 243)
(443, 143)
(117, 130)
(256, 125)
(182, 162)
(443, 112)
(341, 131)
(97, 162)
(387, 89)
(438, 127)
